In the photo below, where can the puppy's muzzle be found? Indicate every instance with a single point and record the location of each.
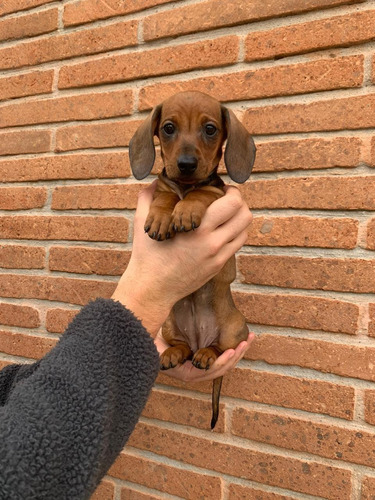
(187, 164)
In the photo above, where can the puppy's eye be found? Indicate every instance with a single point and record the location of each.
(169, 128)
(210, 129)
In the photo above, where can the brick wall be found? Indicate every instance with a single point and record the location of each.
(77, 77)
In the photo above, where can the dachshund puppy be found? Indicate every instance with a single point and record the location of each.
(192, 128)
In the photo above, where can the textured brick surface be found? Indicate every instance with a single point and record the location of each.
(371, 235)
(27, 346)
(36, 82)
(28, 25)
(57, 320)
(21, 257)
(88, 260)
(368, 488)
(16, 198)
(370, 406)
(25, 141)
(105, 491)
(16, 315)
(237, 492)
(18, 5)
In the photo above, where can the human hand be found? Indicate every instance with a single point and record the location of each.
(162, 272)
(187, 372)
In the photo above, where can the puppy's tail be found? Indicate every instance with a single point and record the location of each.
(216, 388)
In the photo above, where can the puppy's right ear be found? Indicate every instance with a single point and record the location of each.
(141, 146)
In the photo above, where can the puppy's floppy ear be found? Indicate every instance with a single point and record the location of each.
(141, 146)
(240, 149)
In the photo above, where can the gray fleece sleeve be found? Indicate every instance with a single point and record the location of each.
(64, 419)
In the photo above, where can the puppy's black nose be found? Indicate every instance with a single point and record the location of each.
(187, 164)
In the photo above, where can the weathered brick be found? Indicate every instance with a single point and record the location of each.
(61, 109)
(371, 326)
(322, 193)
(238, 492)
(184, 410)
(299, 393)
(368, 488)
(206, 15)
(118, 196)
(18, 5)
(304, 154)
(161, 61)
(354, 361)
(176, 481)
(105, 491)
(297, 311)
(22, 198)
(303, 231)
(369, 400)
(305, 476)
(291, 79)
(298, 434)
(73, 44)
(337, 31)
(27, 346)
(57, 320)
(19, 315)
(37, 82)
(29, 25)
(69, 166)
(331, 114)
(70, 290)
(76, 228)
(86, 11)
(344, 275)
(97, 135)
(370, 243)
(25, 141)
(88, 260)
(22, 257)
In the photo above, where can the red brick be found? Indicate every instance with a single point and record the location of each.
(46, 227)
(37, 82)
(343, 275)
(371, 326)
(341, 359)
(70, 290)
(368, 488)
(73, 44)
(176, 481)
(96, 135)
(28, 25)
(303, 231)
(184, 410)
(118, 196)
(61, 109)
(305, 476)
(238, 492)
(69, 166)
(57, 320)
(17, 5)
(337, 31)
(22, 257)
(22, 198)
(292, 79)
(130, 494)
(325, 440)
(17, 315)
(86, 11)
(25, 141)
(369, 400)
(296, 311)
(206, 15)
(299, 393)
(370, 243)
(27, 346)
(322, 193)
(88, 260)
(105, 491)
(331, 114)
(305, 154)
(372, 160)
(161, 61)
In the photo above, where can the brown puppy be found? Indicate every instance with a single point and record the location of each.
(192, 128)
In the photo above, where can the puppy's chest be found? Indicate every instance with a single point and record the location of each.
(196, 319)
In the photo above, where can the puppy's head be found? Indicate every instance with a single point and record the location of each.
(192, 128)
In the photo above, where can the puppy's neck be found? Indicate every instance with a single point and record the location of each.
(182, 189)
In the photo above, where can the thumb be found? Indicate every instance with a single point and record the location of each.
(144, 202)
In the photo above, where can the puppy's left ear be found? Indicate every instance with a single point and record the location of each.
(141, 146)
(240, 149)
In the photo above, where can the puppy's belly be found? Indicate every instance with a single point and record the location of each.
(195, 319)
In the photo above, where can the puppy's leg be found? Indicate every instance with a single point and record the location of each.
(179, 351)
(158, 222)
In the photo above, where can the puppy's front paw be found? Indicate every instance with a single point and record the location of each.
(158, 226)
(187, 216)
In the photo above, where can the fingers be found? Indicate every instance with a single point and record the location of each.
(144, 201)
(222, 209)
(234, 226)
